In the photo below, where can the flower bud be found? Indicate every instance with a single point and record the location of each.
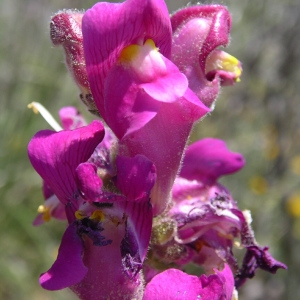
(65, 30)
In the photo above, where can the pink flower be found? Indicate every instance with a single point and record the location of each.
(204, 221)
(129, 61)
(175, 284)
(102, 157)
(106, 229)
(139, 92)
(141, 81)
(197, 33)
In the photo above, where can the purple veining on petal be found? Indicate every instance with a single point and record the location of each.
(68, 268)
(133, 101)
(115, 267)
(56, 155)
(108, 28)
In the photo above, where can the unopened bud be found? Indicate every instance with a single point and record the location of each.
(66, 30)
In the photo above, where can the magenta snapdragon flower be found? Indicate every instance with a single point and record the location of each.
(136, 81)
(102, 157)
(112, 229)
(139, 92)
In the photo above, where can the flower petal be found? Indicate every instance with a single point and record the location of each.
(88, 181)
(217, 15)
(68, 268)
(71, 118)
(257, 257)
(131, 260)
(113, 270)
(109, 28)
(139, 223)
(208, 159)
(56, 155)
(134, 86)
(136, 177)
(163, 140)
(188, 287)
(128, 108)
(208, 221)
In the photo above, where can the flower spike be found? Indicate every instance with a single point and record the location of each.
(140, 204)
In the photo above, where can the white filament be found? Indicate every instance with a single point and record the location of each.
(39, 108)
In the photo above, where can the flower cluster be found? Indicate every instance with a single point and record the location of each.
(140, 205)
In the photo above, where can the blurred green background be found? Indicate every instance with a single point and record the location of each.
(259, 117)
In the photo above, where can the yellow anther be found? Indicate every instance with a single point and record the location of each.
(231, 64)
(33, 107)
(39, 108)
(45, 211)
(79, 215)
(41, 209)
(97, 215)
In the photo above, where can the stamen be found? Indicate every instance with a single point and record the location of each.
(45, 211)
(221, 60)
(47, 216)
(97, 215)
(41, 209)
(79, 215)
(39, 108)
